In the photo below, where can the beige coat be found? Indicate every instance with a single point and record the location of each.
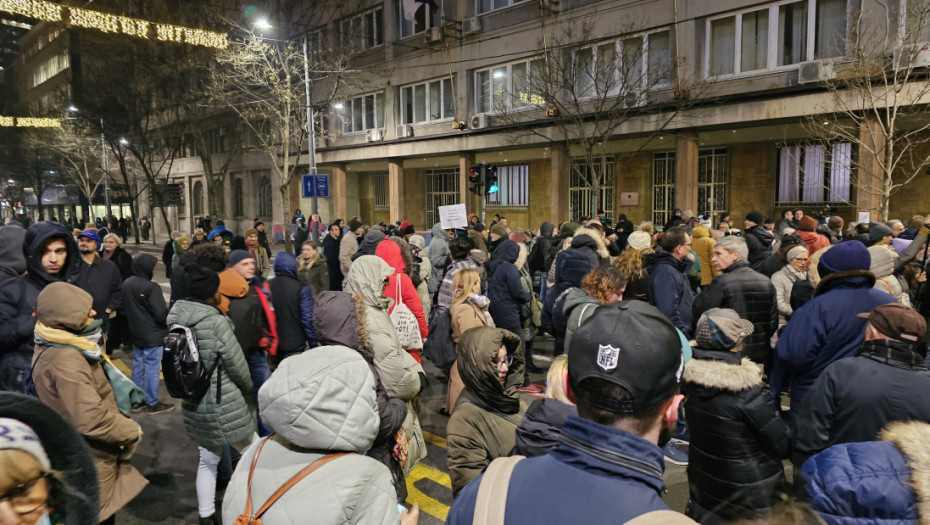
(465, 315)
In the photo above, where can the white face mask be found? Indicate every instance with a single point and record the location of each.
(44, 519)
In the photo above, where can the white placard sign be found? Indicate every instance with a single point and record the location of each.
(453, 216)
(865, 217)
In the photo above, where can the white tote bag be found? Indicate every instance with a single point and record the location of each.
(408, 329)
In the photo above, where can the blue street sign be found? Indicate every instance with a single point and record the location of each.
(314, 186)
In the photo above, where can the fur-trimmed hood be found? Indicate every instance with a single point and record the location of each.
(340, 318)
(596, 242)
(849, 279)
(913, 439)
(720, 374)
(521, 258)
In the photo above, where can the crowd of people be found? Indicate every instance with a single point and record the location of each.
(733, 351)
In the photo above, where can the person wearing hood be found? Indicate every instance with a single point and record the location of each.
(571, 266)
(340, 320)
(68, 374)
(222, 231)
(221, 417)
(486, 415)
(505, 289)
(61, 467)
(703, 247)
(592, 242)
(758, 240)
(675, 220)
(146, 313)
(331, 252)
(669, 289)
(807, 231)
(883, 266)
(348, 245)
(421, 261)
(398, 371)
(51, 255)
(826, 328)
(623, 230)
(333, 417)
(601, 285)
(369, 244)
(541, 427)
(438, 253)
(400, 286)
(12, 261)
(738, 440)
(880, 481)
(540, 251)
(478, 235)
(293, 306)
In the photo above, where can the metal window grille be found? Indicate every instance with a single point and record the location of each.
(514, 183)
(381, 189)
(712, 181)
(442, 189)
(264, 196)
(663, 184)
(582, 177)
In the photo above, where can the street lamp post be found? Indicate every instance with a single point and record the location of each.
(311, 142)
(106, 172)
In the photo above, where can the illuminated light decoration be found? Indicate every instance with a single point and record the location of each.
(7, 122)
(169, 33)
(38, 9)
(29, 122)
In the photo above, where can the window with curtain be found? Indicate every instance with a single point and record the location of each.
(510, 86)
(424, 17)
(514, 183)
(238, 199)
(361, 113)
(792, 33)
(723, 46)
(815, 173)
(426, 102)
(830, 38)
(754, 41)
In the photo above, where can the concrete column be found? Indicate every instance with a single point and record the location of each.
(686, 171)
(869, 177)
(560, 182)
(338, 192)
(396, 189)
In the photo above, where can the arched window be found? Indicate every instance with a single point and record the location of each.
(237, 202)
(197, 198)
(264, 197)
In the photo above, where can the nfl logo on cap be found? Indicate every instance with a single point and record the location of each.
(607, 357)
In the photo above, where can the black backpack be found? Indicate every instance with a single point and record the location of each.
(185, 375)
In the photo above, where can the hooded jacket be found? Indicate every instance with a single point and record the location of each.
(369, 244)
(144, 304)
(341, 320)
(348, 246)
(316, 277)
(333, 410)
(18, 297)
(487, 413)
(759, 241)
(12, 260)
(703, 246)
(390, 252)
(293, 307)
(589, 241)
(571, 266)
(579, 305)
(669, 289)
(737, 438)
(813, 240)
(78, 389)
(875, 482)
(541, 427)
(208, 423)
(541, 249)
(438, 253)
(752, 295)
(824, 330)
(504, 288)
(883, 266)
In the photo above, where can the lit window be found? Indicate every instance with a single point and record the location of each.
(510, 86)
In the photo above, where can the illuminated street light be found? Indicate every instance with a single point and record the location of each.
(262, 23)
(338, 104)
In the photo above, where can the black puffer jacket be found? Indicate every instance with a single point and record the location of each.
(541, 426)
(759, 241)
(737, 438)
(571, 267)
(753, 297)
(505, 289)
(144, 304)
(537, 259)
(102, 280)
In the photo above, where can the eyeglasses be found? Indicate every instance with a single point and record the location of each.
(800, 259)
(505, 361)
(28, 497)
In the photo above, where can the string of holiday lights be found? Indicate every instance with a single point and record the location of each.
(29, 122)
(116, 24)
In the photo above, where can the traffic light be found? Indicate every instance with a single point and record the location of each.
(490, 179)
(474, 178)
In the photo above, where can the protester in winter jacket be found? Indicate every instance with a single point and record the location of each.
(783, 281)
(51, 255)
(112, 250)
(348, 245)
(623, 230)
(331, 252)
(68, 375)
(530, 314)
(167, 253)
(703, 247)
(12, 261)
(221, 417)
(221, 230)
(422, 262)
(257, 251)
(312, 269)
(400, 286)
(669, 290)
(100, 278)
(207, 255)
(880, 481)
(745, 290)
(341, 320)
(883, 266)
(461, 251)
(758, 240)
(541, 426)
(293, 307)
(56, 449)
(571, 266)
(807, 231)
(469, 309)
(592, 242)
(826, 328)
(181, 246)
(478, 235)
(737, 437)
(399, 372)
(601, 285)
(487, 413)
(334, 411)
(504, 288)
(146, 312)
(540, 251)
(369, 245)
(853, 399)
(438, 253)
(632, 262)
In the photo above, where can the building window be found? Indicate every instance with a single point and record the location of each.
(514, 184)
(712, 181)
(380, 183)
(361, 113)
(622, 66)
(238, 197)
(427, 102)
(510, 86)
(916, 21)
(264, 196)
(49, 68)
(197, 199)
(782, 34)
(363, 31)
(486, 6)
(814, 173)
(442, 189)
(582, 177)
(663, 184)
(423, 18)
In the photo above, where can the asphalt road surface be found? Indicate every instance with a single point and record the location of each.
(168, 458)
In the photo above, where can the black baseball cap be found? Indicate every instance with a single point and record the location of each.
(632, 345)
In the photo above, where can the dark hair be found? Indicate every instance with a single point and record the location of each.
(836, 222)
(334, 225)
(862, 227)
(673, 238)
(768, 220)
(404, 253)
(595, 387)
(211, 251)
(596, 225)
(354, 224)
(460, 247)
(602, 281)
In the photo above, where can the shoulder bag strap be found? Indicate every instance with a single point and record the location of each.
(248, 491)
(491, 502)
(294, 480)
(398, 299)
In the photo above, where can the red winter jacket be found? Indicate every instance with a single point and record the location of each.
(813, 240)
(390, 252)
